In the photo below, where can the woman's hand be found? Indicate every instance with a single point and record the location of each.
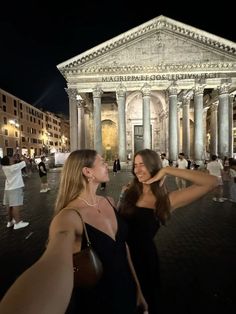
(160, 176)
(141, 302)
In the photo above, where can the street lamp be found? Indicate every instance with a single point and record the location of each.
(14, 123)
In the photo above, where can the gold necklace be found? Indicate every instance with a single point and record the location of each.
(90, 205)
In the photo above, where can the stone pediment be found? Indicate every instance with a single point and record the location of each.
(160, 44)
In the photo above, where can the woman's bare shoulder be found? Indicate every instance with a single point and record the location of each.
(66, 219)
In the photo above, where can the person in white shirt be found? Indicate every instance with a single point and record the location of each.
(181, 164)
(13, 193)
(164, 160)
(215, 168)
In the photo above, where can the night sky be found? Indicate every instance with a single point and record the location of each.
(38, 35)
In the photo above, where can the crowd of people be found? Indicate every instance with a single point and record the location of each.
(122, 235)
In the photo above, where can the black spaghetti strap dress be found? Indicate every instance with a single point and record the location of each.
(116, 291)
(142, 227)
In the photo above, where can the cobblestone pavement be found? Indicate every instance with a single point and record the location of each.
(197, 247)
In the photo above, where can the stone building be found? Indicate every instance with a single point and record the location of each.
(163, 85)
(29, 130)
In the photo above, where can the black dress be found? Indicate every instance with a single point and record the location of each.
(143, 226)
(116, 165)
(116, 291)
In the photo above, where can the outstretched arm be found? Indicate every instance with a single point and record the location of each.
(202, 183)
(46, 286)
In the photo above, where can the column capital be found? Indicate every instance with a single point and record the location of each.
(224, 88)
(214, 106)
(121, 91)
(97, 92)
(146, 89)
(186, 100)
(199, 89)
(72, 93)
(173, 89)
(231, 98)
(80, 101)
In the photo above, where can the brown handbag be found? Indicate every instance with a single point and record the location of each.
(88, 268)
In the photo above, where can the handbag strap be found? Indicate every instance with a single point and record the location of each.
(84, 226)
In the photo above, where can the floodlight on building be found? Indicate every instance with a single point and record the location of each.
(78, 97)
(12, 122)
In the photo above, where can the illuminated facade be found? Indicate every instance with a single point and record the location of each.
(25, 128)
(163, 85)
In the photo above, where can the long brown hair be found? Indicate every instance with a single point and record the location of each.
(153, 164)
(72, 180)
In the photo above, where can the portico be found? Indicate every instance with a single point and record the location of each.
(162, 85)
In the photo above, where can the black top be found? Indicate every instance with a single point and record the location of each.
(116, 165)
(116, 291)
(143, 226)
(42, 164)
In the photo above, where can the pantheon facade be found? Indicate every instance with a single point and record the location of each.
(162, 85)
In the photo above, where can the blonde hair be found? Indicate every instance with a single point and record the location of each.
(72, 180)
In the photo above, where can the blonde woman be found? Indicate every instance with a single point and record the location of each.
(118, 291)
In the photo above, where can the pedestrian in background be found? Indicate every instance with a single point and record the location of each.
(13, 193)
(43, 175)
(116, 165)
(181, 164)
(215, 168)
(164, 160)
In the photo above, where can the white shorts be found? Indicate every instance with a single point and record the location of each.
(13, 197)
(220, 181)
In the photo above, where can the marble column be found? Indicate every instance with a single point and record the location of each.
(204, 131)
(72, 93)
(173, 125)
(213, 130)
(81, 125)
(198, 124)
(97, 94)
(223, 120)
(162, 131)
(231, 143)
(186, 127)
(146, 92)
(86, 129)
(121, 99)
(179, 142)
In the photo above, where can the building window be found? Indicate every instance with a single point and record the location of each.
(22, 128)
(16, 134)
(21, 115)
(6, 143)
(23, 139)
(4, 108)
(15, 112)
(15, 104)
(20, 105)
(4, 120)
(4, 98)
(5, 132)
